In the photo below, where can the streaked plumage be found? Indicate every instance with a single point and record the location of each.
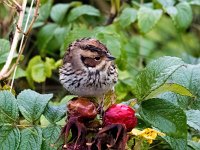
(88, 68)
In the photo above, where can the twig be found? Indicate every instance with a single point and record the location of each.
(15, 41)
(115, 6)
(22, 44)
(16, 3)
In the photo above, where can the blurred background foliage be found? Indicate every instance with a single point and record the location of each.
(135, 31)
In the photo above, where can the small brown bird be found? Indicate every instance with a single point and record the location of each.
(88, 69)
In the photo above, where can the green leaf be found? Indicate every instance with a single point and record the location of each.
(66, 99)
(147, 18)
(49, 66)
(38, 73)
(50, 135)
(181, 15)
(36, 70)
(155, 75)
(44, 11)
(55, 113)
(168, 118)
(189, 77)
(112, 42)
(28, 73)
(190, 59)
(167, 3)
(109, 36)
(58, 12)
(173, 87)
(172, 11)
(45, 34)
(178, 100)
(194, 2)
(20, 73)
(31, 139)
(60, 33)
(194, 145)
(4, 50)
(176, 143)
(193, 119)
(74, 34)
(128, 16)
(83, 10)
(32, 104)
(9, 112)
(9, 138)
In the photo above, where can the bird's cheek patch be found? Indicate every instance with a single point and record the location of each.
(89, 62)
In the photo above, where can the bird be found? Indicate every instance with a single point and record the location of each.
(88, 68)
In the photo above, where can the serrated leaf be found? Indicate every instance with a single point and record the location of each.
(32, 104)
(189, 77)
(190, 59)
(194, 145)
(147, 18)
(193, 119)
(50, 135)
(173, 87)
(83, 10)
(168, 118)
(181, 15)
(176, 143)
(155, 75)
(178, 100)
(44, 122)
(59, 11)
(9, 138)
(31, 139)
(128, 16)
(4, 50)
(9, 111)
(55, 113)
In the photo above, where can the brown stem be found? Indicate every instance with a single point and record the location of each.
(14, 42)
(4, 72)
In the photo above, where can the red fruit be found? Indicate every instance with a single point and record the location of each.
(120, 114)
(82, 107)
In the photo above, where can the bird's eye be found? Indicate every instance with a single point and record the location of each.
(97, 58)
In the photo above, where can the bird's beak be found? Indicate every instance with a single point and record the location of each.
(110, 58)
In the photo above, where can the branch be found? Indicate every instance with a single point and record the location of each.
(26, 34)
(22, 47)
(115, 5)
(15, 41)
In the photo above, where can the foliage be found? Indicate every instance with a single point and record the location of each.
(140, 36)
(27, 132)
